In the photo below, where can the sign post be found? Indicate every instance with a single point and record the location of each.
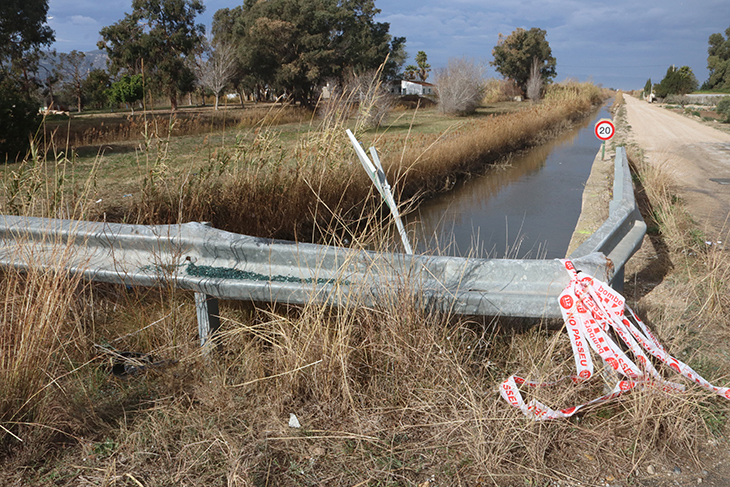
(377, 175)
(604, 130)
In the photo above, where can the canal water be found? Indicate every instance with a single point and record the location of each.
(526, 208)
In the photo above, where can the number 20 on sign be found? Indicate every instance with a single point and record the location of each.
(604, 131)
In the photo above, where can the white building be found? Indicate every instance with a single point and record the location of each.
(407, 87)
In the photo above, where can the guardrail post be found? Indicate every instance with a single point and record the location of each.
(209, 320)
(617, 283)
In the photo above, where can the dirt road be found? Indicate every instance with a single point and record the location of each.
(697, 155)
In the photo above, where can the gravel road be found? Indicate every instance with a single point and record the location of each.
(697, 155)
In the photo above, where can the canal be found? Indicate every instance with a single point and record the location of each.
(526, 208)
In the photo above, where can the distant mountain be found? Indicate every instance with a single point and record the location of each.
(94, 60)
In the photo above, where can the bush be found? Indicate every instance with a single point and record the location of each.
(460, 86)
(534, 82)
(681, 100)
(19, 119)
(496, 90)
(723, 108)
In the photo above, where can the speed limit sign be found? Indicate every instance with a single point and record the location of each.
(604, 129)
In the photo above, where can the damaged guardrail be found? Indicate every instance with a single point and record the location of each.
(624, 229)
(219, 264)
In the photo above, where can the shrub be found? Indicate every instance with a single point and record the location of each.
(460, 86)
(681, 100)
(723, 108)
(365, 96)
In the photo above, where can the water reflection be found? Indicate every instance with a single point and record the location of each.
(527, 208)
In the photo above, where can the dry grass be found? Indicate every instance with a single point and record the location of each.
(37, 327)
(385, 395)
(86, 130)
(500, 90)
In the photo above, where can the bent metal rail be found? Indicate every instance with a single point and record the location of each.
(219, 264)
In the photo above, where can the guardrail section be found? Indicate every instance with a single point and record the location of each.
(219, 264)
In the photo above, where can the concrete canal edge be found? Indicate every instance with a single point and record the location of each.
(597, 194)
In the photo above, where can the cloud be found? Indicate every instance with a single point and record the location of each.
(629, 38)
(83, 20)
(623, 39)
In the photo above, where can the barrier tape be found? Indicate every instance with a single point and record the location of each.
(591, 309)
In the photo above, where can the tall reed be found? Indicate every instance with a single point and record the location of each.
(38, 325)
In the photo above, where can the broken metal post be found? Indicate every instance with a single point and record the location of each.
(209, 320)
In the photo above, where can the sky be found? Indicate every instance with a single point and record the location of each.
(619, 44)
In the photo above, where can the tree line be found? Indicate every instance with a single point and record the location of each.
(681, 80)
(288, 48)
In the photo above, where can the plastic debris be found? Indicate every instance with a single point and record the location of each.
(593, 311)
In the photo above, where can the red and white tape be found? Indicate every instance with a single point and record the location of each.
(591, 309)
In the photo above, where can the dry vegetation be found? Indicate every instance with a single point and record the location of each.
(236, 183)
(385, 396)
(96, 129)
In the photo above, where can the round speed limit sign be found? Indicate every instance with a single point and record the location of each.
(604, 129)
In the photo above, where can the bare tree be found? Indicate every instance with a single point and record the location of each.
(73, 70)
(374, 101)
(460, 86)
(50, 77)
(534, 82)
(215, 72)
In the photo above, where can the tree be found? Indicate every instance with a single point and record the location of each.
(718, 62)
(73, 69)
(19, 118)
(127, 90)
(421, 69)
(460, 86)
(96, 86)
(677, 81)
(396, 58)
(291, 46)
(23, 30)
(647, 87)
(159, 35)
(514, 54)
(224, 21)
(215, 72)
(50, 77)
